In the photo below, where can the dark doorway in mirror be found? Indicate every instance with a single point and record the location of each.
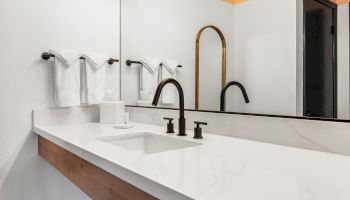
(320, 59)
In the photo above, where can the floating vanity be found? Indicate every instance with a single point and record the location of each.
(94, 181)
(146, 163)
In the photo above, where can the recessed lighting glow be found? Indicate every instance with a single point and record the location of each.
(234, 1)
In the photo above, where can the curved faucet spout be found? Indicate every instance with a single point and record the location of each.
(224, 90)
(182, 121)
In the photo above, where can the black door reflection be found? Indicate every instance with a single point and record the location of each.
(320, 86)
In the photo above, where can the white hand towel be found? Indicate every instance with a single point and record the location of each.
(149, 78)
(169, 71)
(95, 77)
(67, 78)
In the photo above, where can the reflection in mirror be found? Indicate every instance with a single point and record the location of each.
(224, 90)
(275, 57)
(223, 65)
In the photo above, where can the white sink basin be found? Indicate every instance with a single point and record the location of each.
(148, 143)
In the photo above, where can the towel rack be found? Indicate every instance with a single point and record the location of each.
(130, 62)
(47, 56)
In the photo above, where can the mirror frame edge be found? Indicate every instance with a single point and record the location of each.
(248, 114)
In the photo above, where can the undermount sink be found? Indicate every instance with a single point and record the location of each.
(148, 143)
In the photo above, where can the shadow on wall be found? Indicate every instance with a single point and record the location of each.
(32, 178)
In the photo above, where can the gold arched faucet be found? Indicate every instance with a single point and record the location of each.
(223, 68)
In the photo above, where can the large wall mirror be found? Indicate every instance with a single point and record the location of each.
(272, 57)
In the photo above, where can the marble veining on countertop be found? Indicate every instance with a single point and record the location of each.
(219, 168)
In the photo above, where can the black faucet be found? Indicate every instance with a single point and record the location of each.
(223, 94)
(182, 121)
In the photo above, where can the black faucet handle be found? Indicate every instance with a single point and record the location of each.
(198, 130)
(200, 123)
(168, 118)
(170, 125)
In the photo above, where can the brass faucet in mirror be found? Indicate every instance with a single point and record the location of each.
(223, 67)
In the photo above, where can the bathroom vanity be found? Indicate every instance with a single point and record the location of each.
(175, 99)
(146, 163)
(276, 113)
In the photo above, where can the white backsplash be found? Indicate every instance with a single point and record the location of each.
(66, 115)
(333, 137)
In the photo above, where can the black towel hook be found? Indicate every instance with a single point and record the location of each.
(130, 62)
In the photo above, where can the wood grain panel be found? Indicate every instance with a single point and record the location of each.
(95, 182)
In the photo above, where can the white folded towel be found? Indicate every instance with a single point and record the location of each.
(169, 71)
(149, 78)
(95, 77)
(67, 78)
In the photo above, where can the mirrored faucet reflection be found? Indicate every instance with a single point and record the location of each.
(182, 121)
(224, 90)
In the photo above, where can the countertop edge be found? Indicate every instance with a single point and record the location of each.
(155, 189)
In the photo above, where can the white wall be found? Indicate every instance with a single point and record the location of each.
(27, 28)
(300, 58)
(343, 62)
(265, 57)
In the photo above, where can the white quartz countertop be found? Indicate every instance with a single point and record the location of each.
(219, 168)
